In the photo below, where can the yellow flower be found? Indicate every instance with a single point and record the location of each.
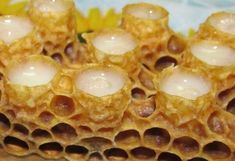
(8, 8)
(96, 21)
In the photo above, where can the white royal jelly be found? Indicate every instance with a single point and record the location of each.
(186, 85)
(13, 28)
(214, 53)
(145, 12)
(100, 82)
(31, 74)
(51, 5)
(224, 23)
(116, 43)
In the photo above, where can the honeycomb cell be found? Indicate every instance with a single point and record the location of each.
(128, 138)
(76, 152)
(186, 145)
(20, 129)
(69, 52)
(215, 123)
(217, 150)
(116, 154)
(46, 117)
(96, 143)
(15, 145)
(51, 149)
(146, 107)
(231, 106)
(157, 137)
(175, 45)
(95, 157)
(64, 132)
(4, 123)
(138, 93)
(146, 78)
(197, 159)
(166, 156)
(57, 57)
(143, 153)
(62, 105)
(165, 62)
(40, 134)
(223, 95)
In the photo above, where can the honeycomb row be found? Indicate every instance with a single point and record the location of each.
(214, 150)
(153, 138)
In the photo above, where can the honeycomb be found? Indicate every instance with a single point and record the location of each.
(134, 93)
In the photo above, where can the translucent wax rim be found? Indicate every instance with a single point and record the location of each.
(94, 68)
(206, 83)
(37, 59)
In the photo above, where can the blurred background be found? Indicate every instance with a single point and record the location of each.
(185, 15)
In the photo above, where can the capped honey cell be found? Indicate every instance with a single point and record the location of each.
(183, 93)
(18, 37)
(29, 78)
(107, 89)
(114, 46)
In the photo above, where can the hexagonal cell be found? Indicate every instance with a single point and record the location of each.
(64, 132)
(186, 145)
(198, 128)
(157, 137)
(57, 57)
(146, 107)
(116, 154)
(146, 79)
(231, 106)
(165, 62)
(76, 152)
(138, 93)
(223, 95)
(51, 149)
(128, 138)
(217, 150)
(96, 143)
(197, 159)
(143, 153)
(166, 156)
(95, 157)
(40, 134)
(4, 123)
(175, 45)
(215, 123)
(62, 105)
(20, 129)
(46, 117)
(69, 52)
(15, 145)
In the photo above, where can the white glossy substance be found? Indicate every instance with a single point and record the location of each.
(213, 53)
(13, 28)
(32, 74)
(100, 82)
(186, 85)
(51, 5)
(145, 12)
(117, 43)
(224, 23)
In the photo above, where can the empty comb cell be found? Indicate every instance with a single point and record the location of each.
(104, 93)
(17, 38)
(219, 26)
(55, 22)
(28, 78)
(182, 93)
(114, 46)
(215, 58)
(145, 20)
